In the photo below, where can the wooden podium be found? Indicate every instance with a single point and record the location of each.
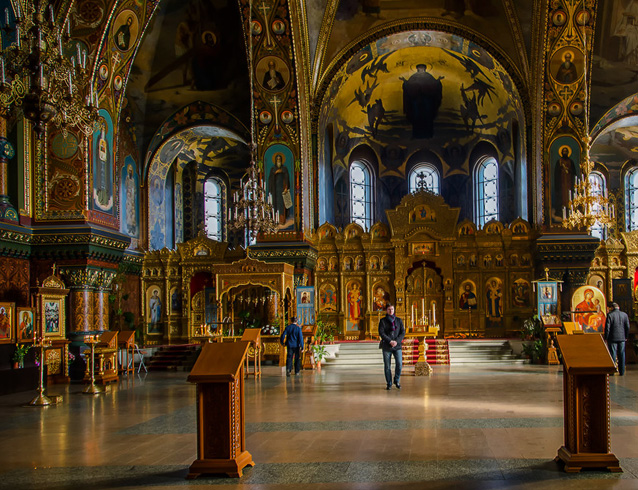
(309, 333)
(219, 375)
(253, 336)
(587, 365)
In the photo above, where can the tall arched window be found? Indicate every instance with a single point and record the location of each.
(486, 191)
(598, 186)
(361, 195)
(214, 197)
(631, 199)
(425, 177)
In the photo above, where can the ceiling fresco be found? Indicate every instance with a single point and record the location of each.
(179, 62)
(615, 55)
(615, 145)
(357, 17)
(314, 14)
(422, 90)
(201, 144)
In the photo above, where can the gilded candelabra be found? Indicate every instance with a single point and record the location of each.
(39, 73)
(253, 211)
(588, 202)
(92, 388)
(41, 400)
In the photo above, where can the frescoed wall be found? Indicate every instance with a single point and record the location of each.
(564, 155)
(185, 159)
(356, 17)
(129, 199)
(279, 171)
(425, 96)
(615, 54)
(179, 59)
(102, 164)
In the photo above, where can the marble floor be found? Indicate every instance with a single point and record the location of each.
(462, 428)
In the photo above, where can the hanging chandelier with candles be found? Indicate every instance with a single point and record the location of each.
(38, 77)
(589, 204)
(253, 211)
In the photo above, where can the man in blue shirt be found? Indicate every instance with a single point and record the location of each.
(616, 333)
(294, 345)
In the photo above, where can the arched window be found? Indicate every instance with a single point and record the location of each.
(425, 177)
(598, 186)
(486, 191)
(361, 195)
(214, 200)
(631, 199)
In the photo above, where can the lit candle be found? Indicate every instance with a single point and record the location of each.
(434, 313)
(423, 310)
(564, 213)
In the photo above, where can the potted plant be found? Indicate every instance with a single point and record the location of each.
(320, 353)
(533, 336)
(18, 355)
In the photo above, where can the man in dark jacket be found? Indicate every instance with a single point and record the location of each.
(616, 333)
(391, 331)
(294, 345)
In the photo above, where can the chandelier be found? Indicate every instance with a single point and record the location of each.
(37, 76)
(253, 210)
(253, 213)
(589, 204)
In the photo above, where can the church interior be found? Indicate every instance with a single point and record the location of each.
(179, 173)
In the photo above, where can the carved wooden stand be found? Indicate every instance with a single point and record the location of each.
(587, 364)
(219, 375)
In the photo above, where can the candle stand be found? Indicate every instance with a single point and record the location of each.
(41, 400)
(92, 388)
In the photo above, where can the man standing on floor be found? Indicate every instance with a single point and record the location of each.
(294, 345)
(391, 331)
(616, 333)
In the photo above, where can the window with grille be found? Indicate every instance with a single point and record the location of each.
(214, 203)
(598, 186)
(425, 177)
(361, 195)
(631, 199)
(486, 195)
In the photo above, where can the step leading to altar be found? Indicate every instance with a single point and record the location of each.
(367, 353)
(482, 351)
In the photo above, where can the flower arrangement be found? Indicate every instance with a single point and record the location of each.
(20, 352)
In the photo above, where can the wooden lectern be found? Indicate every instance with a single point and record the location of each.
(587, 364)
(219, 375)
(309, 333)
(253, 335)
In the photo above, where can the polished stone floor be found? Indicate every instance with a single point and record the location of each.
(461, 428)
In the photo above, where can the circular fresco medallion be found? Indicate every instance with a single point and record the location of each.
(553, 109)
(104, 71)
(278, 27)
(559, 18)
(64, 147)
(287, 117)
(576, 108)
(255, 28)
(265, 117)
(583, 17)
